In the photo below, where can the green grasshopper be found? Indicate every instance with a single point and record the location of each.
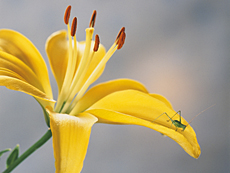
(177, 123)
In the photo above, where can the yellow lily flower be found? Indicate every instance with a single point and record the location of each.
(75, 66)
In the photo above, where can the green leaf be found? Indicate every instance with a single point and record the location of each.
(13, 156)
(4, 151)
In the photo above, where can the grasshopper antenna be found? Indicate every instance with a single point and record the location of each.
(200, 113)
(157, 117)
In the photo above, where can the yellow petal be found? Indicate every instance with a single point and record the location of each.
(70, 140)
(11, 63)
(57, 52)
(137, 108)
(19, 85)
(8, 72)
(162, 98)
(16, 75)
(19, 46)
(101, 90)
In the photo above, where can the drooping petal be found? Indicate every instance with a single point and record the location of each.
(162, 98)
(19, 85)
(14, 65)
(137, 108)
(57, 51)
(103, 89)
(20, 47)
(70, 139)
(16, 75)
(9, 73)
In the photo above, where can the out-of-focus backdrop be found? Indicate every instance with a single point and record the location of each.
(179, 49)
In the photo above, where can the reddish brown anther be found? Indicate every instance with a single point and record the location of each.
(96, 44)
(74, 27)
(67, 14)
(121, 40)
(121, 30)
(93, 19)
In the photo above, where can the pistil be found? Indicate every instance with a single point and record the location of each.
(73, 87)
(83, 65)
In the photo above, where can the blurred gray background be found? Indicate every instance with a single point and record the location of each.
(177, 48)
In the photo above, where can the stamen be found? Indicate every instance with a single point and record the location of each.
(67, 80)
(93, 19)
(81, 70)
(74, 27)
(67, 14)
(121, 30)
(121, 40)
(97, 42)
(73, 109)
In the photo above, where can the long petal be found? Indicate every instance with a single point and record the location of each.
(19, 46)
(14, 65)
(19, 85)
(162, 98)
(16, 75)
(138, 108)
(103, 89)
(9, 73)
(57, 52)
(70, 140)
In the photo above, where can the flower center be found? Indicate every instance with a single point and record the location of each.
(73, 87)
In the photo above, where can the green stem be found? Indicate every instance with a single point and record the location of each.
(34, 147)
